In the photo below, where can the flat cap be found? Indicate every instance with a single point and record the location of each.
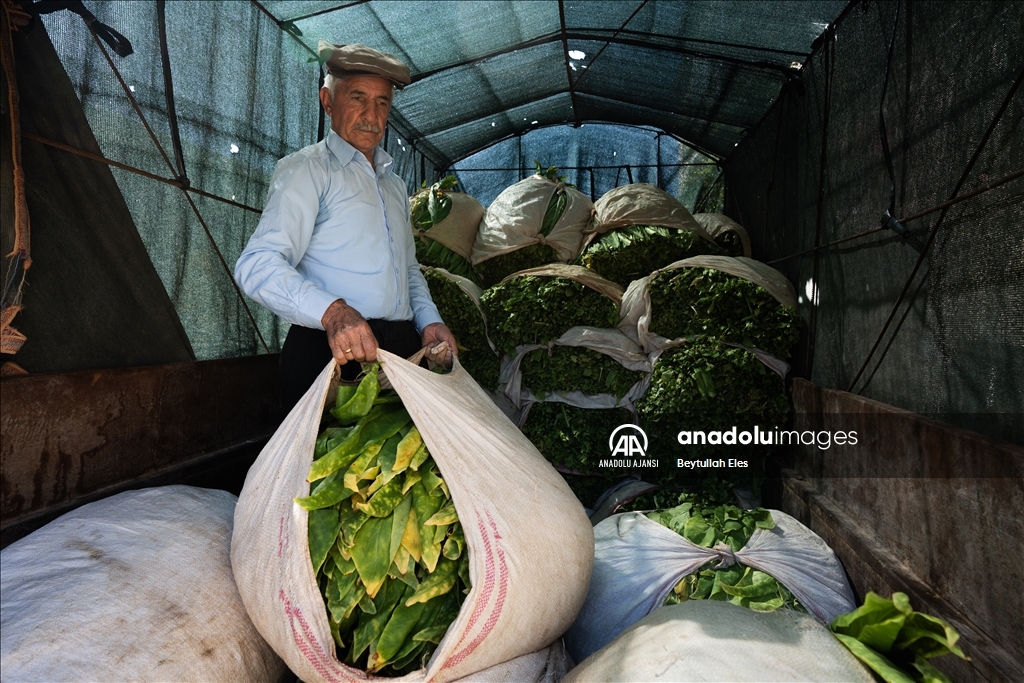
(346, 60)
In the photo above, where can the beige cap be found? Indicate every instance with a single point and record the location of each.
(343, 60)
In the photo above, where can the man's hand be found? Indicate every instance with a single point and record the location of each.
(436, 333)
(349, 334)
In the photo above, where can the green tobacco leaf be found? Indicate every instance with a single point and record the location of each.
(345, 565)
(396, 632)
(351, 447)
(352, 521)
(371, 553)
(354, 474)
(408, 447)
(387, 454)
(323, 527)
(929, 674)
(434, 634)
(878, 663)
(384, 501)
(443, 517)
(699, 532)
(328, 493)
(339, 600)
(371, 626)
(400, 520)
(440, 582)
(359, 404)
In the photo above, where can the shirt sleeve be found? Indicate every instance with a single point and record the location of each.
(266, 269)
(424, 312)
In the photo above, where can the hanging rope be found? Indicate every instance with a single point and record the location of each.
(19, 260)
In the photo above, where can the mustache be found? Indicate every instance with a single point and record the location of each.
(368, 127)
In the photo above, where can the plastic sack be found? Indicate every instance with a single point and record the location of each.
(637, 562)
(137, 586)
(717, 224)
(458, 229)
(704, 640)
(611, 343)
(636, 311)
(642, 204)
(530, 542)
(515, 217)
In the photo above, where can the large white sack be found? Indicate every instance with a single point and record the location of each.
(530, 542)
(638, 561)
(708, 640)
(135, 587)
(515, 218)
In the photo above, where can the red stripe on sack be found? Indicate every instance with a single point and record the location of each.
(280, 537)
(495, 614)
(310, 647)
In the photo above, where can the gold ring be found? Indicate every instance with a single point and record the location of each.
(347, 351)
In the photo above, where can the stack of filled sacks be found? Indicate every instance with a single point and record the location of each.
(575, 375)
(707, 591)
(445, 223)
(639, 228)
(717, 329)
(458, 300)
(537, 221)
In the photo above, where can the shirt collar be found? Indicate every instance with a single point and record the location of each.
(346, 153)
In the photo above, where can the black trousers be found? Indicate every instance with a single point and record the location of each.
(306, 352)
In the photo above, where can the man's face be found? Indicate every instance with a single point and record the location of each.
(359, 110)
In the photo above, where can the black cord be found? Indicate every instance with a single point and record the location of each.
(889, 219)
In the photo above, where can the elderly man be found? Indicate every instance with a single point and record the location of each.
(333, 253)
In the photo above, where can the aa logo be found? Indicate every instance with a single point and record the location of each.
(628, 440)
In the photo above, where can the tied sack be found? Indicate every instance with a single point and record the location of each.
(137, 587)
(708, 640)
(530, 542)
(638, 561)
(515, 218)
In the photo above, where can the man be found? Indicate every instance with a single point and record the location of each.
(333, 253)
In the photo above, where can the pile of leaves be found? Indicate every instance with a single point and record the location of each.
(706, 385)
(496, 269)
(574, 440)
(896, 642)
(692, 301)
(707, 526)
(385, 541)
(630, 253)
(429, 206)
(466, 322)
(534, 309)
(576, 368)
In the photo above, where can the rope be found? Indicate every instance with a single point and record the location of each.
(11, 340)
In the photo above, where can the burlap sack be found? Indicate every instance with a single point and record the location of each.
(515, 218)
(134, 587)
(611, 343)
(635, 311)
(718, 223)
(637, 562)
(458, 230)
(705, 640)
(642, 204)
(530, 542)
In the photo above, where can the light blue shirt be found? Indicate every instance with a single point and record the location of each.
(334, 228)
